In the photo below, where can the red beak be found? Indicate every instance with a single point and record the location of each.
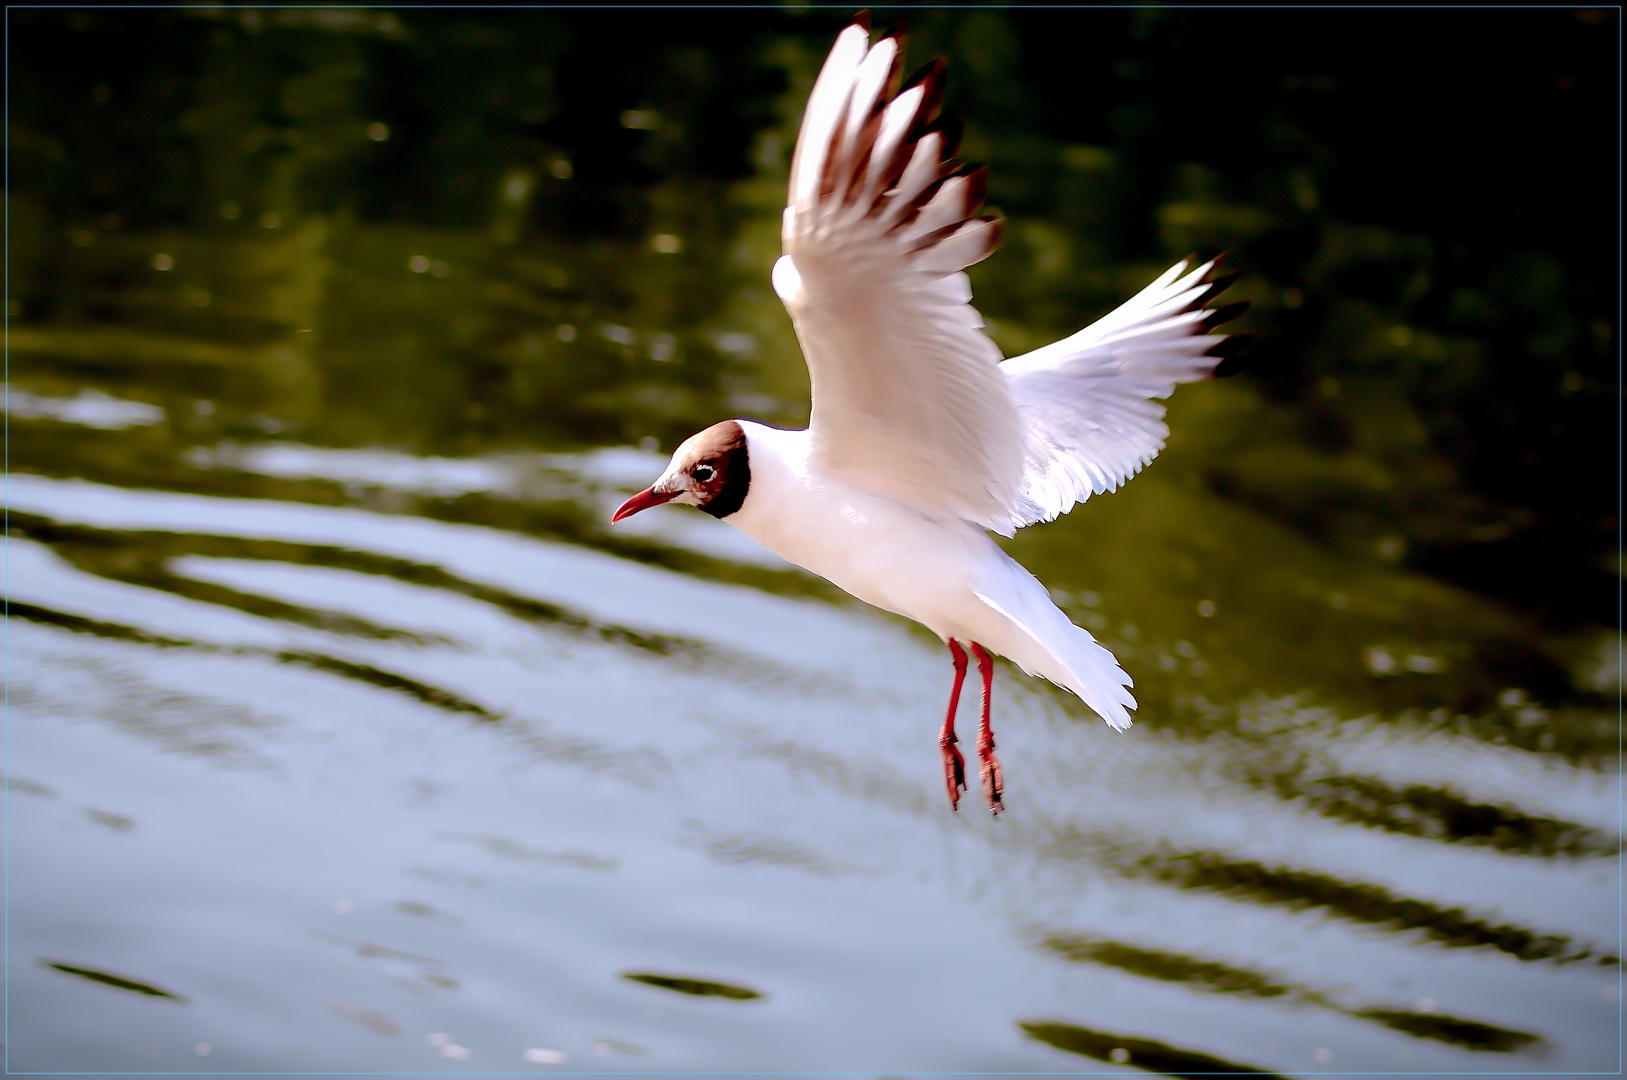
(642, 501)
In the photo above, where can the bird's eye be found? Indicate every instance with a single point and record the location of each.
(703, 473)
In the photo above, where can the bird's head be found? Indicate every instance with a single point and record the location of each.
(710, 470)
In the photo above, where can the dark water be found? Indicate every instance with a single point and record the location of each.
(344, 734)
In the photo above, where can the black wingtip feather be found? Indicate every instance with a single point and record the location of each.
(1215, 268)
(977, 187)
(1230, 346)
(950, 126)
(997, 231)
(899, 32)
(927, 120)
(927, 194)
(1216, 287)
(930, 69)
(931, 78)
(1223, 315)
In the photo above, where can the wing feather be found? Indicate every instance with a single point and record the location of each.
(864, 115)
(922, 170)
(1090, 402)
(908, 397)
(886, 164)
(825, 113)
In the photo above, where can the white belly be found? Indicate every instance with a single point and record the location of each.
(879, 551)
(947, 575)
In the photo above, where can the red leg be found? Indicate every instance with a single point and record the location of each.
(954, 766)
(993, 782)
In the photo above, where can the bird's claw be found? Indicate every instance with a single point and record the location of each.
(954, 770)
(994, 784)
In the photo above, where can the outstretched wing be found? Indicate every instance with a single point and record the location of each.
(1090, 402)
(908, 398)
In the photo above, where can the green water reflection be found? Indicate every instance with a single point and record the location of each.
(334, 334)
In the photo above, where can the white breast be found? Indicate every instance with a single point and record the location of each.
(948, 575)
(878, 550)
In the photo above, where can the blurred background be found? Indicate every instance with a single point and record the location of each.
(345, 735)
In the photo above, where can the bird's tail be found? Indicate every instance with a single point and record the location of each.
(1047, 644)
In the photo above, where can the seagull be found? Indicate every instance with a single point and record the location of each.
(922, 440)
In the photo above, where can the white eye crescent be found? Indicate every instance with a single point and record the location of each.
(703, 473)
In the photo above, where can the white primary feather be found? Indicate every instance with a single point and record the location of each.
(1089, 402)
(864, 105)
(895, 124)
(924, 166)
(908, 398)
(825, 111)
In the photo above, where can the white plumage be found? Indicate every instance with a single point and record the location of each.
(1089, 403)
(921, 437)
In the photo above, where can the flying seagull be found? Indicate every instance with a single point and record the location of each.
(922, 440)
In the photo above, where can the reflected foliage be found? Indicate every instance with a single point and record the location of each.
(1441, 814)
(681, 984)
(78, 624)
(1149, 1055)
(118, 982)
(1436, 325)
(1465, 1033)
(1292, 889)
(1211, 976)
(1169, 967)
(1365, 903)
(145, 559)
(433, 696)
